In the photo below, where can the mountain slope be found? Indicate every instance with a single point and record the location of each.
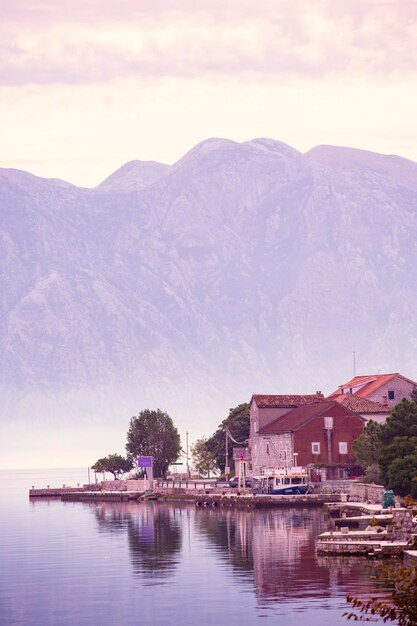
(135, 175)
(241, 268)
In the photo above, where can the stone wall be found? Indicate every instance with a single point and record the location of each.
(366, 493)
(271, 451)
(137, 485)
(113, 485)
(125, 485)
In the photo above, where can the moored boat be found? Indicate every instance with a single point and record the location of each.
(291, 481)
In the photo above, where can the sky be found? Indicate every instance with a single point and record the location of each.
(87, 85)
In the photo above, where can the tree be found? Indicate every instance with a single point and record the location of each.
(238, 425)
(402, 473)
(401, 423)
(393, 446)
(114, 464)
(373, 475)
(203, 459)
(366, 447)
(152, 433)
(401, 606)
(398, 448)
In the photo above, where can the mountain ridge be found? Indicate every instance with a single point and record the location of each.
(240, 268)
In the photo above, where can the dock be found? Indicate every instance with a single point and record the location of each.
(397, 539)
(358, 521)
(344, 508)
(350, 547)
(258, 501)
(102, 496)
(200, 497)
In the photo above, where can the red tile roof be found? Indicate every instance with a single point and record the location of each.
(298, 417)
(360, 405)
(284, 401)
(370, 384)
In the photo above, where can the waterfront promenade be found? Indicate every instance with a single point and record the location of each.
(201, 492)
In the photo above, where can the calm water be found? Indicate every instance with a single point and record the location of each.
(156, 564)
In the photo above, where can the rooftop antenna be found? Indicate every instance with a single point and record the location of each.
(354, 364)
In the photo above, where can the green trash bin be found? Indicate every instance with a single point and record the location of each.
(388, 499)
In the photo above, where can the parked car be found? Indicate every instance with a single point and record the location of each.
(234, 482)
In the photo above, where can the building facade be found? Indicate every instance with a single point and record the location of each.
(385, 389)
(314, 434)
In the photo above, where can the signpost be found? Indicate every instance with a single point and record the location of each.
(241, 458)
(177, 469)
(146, 463)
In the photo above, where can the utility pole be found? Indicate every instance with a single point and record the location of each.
(226, 467)
(186, 449)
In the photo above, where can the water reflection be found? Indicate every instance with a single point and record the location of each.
(278, 547)
(66, 563)
(273, 550)
(154, 535)
(351, 574)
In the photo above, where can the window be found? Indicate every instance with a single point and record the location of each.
(391, 395)
(315, 447)
(342, 447)
(328, 423)
(267, 448)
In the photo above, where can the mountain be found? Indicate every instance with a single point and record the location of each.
(135, 175)
(241, 268)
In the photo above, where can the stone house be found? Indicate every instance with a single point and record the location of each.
(386, 389)
(264, 409)
(311, 432)
(368, 409)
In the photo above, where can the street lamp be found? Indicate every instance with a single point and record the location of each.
(186, 449)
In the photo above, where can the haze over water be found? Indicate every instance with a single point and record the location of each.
(120, 564)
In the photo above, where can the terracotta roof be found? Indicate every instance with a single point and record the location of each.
(284, 401)
(370, 384)
(297, 417)
(361, 405)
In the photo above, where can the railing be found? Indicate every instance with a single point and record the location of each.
(333, 486)
(188, 484)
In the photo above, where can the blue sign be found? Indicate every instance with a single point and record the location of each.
(145, 461)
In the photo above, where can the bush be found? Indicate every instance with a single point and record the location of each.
(401, 603)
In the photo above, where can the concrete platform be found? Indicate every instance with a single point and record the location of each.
(102, 496)
(363, 520)
(410, 557)
(361, 547)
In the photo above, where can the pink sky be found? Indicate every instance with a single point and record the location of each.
(88, 85)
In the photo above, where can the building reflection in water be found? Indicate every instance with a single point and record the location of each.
(276, 548)
(270, 551)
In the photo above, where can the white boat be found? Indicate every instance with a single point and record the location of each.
(291, 481)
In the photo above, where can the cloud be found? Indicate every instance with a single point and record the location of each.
(97, 42)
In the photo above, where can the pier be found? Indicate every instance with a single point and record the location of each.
(201, 497)
(393, 537)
